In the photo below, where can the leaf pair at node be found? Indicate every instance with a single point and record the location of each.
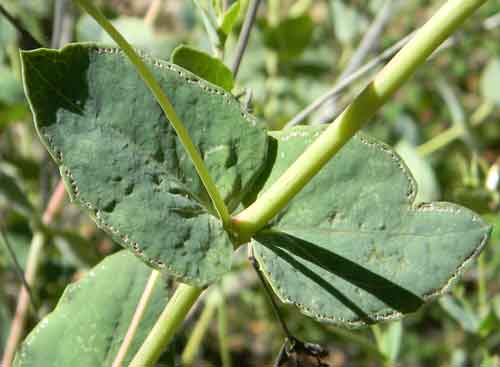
(351, 248)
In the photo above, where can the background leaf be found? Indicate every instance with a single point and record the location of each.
(290, 37)
(205, 66)
(490, 81)
(92, 317)
(428, 186)
(229, 18)
(210, 22)
(351, 248)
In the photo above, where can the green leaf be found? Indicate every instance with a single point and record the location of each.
(351, 248)
(488, 324)
(11, 89)
(392, 338)
(203, 65)
(427, 183)
(93, 315)
(460, 311)
(229, 19)
(490, 81)
(7, 37)
(13, 196)
(347, 22)
(290, 37)
(122, 162)
(490, 360)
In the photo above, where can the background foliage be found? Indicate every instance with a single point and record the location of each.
(296, 53)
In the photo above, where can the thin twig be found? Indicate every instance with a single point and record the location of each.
(245, 35)
(136, 319)
(200, 329)
(33, 42)
(376, 61)
(17, 266)
(23, 301)
(61, 34)
(152, 12)
(269, 294)
(489, 24)
(367, 44)
(61, 28)
(224, 351)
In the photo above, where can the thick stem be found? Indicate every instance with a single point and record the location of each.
(164, 329)
(448, 18)
(167, 107)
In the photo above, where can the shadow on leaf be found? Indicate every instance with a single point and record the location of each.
(298, 252)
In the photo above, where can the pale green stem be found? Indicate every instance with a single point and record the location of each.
(447, 19)
(136, 319)
(440, 141)
(481, 113)
(193, 345)
(377, 334)
(170, 319)
(165, 104)
(482, 292)
(379, 339)
(455, 132)
(364, 343)
(273, 12)
(222, 329)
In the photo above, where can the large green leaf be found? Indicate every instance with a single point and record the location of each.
(351, 248)
(93, 315)
(290, 37)
(122, 162)
(205, 66)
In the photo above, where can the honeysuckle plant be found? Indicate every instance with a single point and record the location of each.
(170, 164)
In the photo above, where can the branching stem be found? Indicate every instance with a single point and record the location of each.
(447, 19)
(164, 329)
